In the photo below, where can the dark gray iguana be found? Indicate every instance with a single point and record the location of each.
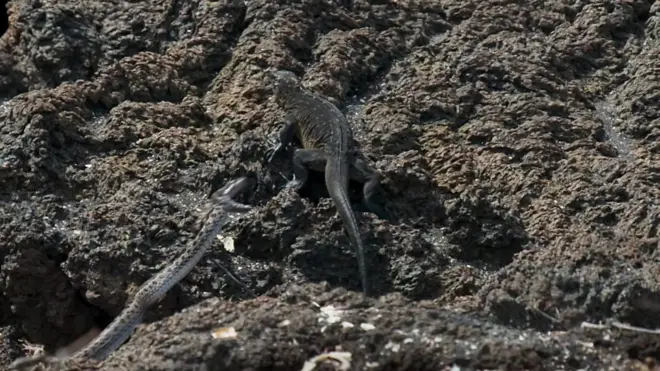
(326, 137)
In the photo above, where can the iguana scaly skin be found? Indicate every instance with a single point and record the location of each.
(326, 138)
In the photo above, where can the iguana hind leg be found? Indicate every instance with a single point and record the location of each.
(370, 177)
(304, 158)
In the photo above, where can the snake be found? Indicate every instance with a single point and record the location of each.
(215, 215)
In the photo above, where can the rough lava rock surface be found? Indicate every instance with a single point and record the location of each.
(519, 141)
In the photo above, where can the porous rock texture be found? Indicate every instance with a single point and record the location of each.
(519, 143)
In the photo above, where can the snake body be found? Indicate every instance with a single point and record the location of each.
(153, 290)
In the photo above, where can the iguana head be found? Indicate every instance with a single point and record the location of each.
(285, 81)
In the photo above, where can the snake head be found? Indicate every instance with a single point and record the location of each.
(231, 189)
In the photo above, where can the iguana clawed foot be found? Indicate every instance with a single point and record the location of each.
(292, 183)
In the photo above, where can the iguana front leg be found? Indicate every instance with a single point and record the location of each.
(285, 137)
